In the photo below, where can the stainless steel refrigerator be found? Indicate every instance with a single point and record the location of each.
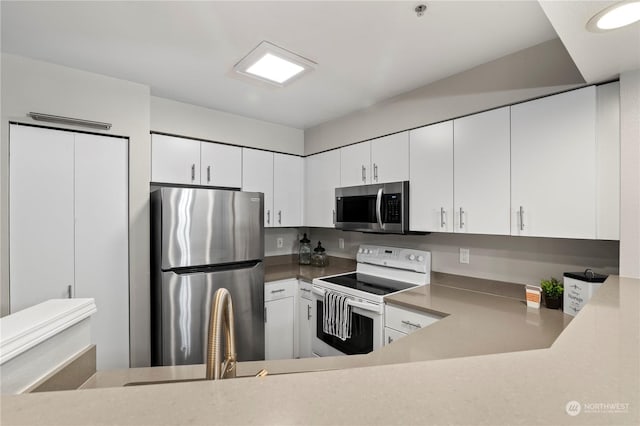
(203, 240)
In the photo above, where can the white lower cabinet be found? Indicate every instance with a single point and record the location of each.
(279, 329)
(399, 322)
(306, 321)
(69, 229)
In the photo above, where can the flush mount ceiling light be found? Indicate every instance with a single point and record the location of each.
(274, 65)
(615, 16)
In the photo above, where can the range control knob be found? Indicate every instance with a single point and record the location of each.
(420, 258)
(360, 250)
(412, 257)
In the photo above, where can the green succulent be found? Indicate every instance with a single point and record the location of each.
(552, 288)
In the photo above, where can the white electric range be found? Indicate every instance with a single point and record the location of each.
(380, 271)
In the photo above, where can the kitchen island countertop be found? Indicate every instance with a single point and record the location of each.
(487, 361)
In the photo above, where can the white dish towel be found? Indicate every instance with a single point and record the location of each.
(336, 315)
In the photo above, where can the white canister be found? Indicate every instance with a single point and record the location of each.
(578, 289)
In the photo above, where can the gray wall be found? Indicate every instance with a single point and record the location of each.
(533, 72)
(523, 260)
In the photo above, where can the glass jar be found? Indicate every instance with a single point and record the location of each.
(304, 254)
(319, 256)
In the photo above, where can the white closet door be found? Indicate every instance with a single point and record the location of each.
(101, 249)
(287, 189)
(257, 176)
(41, 215)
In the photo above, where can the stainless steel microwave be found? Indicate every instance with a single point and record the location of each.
(382, 208)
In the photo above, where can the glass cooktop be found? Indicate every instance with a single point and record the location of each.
(369, 283)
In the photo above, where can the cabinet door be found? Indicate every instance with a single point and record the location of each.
(220, 165)
(322, 177)
(391, 335)
(305, 327)
(257, 176)
(355, 164)
(41, 227)
(431, 178)
(390, 158)
(287, 189)
(175, 160)
(481, 173)
(553, 158)
(279, 328)
(101, 242)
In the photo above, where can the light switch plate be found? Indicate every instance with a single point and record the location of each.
(464, 255)
(341, 243)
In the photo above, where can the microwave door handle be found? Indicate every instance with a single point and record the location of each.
(379, 208)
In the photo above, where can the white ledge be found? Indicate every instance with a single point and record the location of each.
(25, 329)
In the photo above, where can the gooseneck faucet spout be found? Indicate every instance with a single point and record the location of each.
(221, 316)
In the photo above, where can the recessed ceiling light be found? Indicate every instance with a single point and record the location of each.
(615, 16)
(273, 64)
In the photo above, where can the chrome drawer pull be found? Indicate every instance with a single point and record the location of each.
(280, 290)
(412, 324)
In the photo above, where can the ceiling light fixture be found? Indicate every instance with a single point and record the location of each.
(615, 16)
(274, 65)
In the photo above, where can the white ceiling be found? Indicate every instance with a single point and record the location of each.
(366, 51)
(598, 56)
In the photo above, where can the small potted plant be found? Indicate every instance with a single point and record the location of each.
(552, 290)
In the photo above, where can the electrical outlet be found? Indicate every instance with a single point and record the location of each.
(280, 243)
(341, 243)
(464, 255)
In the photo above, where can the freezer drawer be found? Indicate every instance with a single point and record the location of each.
(198, 226)
(184, 309)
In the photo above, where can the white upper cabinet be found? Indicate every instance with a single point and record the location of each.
(220, 165)
(192, 162)
(322, 177)
(175, 160)
(553, 178)
(390, 158)
(431, 178)
(481, 173)
(288, 185)
(257, 176)
(381, 160)
(355, 164)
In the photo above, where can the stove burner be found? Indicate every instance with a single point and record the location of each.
(369, 283)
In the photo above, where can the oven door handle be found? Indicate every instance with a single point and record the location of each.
(365, 306)
(379, 208)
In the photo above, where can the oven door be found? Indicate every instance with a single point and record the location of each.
(366, 329)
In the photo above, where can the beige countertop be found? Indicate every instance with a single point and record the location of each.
(471, 367)
(283, 267)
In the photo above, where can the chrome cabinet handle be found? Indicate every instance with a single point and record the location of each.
(268, 217)
(308, 312)
(443, 223)
(306, 289)
(208, 173)
(69, 294)
(461, 218)
(280, 290)
(389, 340)
(334, 217)
(521, 218)
(375, 172)
(193, 172)
(412, 324)
(279, 217)
(265, 314)
(364, 174)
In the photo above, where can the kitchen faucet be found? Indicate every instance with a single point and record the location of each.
(221, 316)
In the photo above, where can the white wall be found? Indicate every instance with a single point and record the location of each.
(30, 85)
(523, 260)
(177, 118)
(539, 70)
(630, 174)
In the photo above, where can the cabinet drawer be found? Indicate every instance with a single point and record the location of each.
(407, 320)
(280, 289)
(304, 290)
